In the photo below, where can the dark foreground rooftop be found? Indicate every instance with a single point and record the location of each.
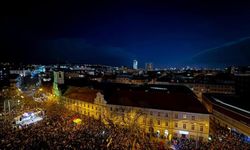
(233, 102)
(170, 97)
(231, 105)
(167, 97)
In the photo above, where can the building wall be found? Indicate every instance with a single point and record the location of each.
(150, 120)
(199, 89)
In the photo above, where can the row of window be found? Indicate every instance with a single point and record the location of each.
(176, 124)
(184, 116)
(184, 126)
(84, 105)
(176, 115)
(160, 114)
(158, 121)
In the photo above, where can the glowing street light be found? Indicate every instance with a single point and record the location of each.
(40, 89)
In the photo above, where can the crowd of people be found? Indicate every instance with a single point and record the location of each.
(223, 139)
(60, 132)
(227, 139)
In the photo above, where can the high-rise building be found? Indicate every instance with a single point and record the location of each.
(135, 64)
(149, 67)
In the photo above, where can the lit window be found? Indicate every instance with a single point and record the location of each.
(166, 115)
(176, 125)
(201, 128)
(151, 121)
(192, 127)
(193, 117)
(184, 116)
(184, 126)
(176, 116)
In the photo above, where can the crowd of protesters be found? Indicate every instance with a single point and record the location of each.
(60, 132)
(223, 139)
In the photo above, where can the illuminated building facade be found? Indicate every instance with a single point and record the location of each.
(170, 114)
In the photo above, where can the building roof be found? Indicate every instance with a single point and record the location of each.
(81, 93)
(175, 98)
(234, 106)
(164, 97)
(233, 100)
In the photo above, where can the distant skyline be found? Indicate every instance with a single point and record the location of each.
(117, 32)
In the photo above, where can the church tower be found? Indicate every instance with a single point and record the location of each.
(58, 80)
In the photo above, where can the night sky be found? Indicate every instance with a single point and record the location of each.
(175, 33)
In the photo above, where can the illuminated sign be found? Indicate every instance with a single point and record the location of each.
(183, 132)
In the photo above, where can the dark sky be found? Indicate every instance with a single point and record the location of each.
(116, 32)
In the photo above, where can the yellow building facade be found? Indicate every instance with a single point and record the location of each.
(164, 123)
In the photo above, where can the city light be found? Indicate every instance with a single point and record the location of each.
(125, 76)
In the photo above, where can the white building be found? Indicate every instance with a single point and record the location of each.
(135, 64)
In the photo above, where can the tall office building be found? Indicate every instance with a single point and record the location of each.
(135, 64)
(149, 67)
